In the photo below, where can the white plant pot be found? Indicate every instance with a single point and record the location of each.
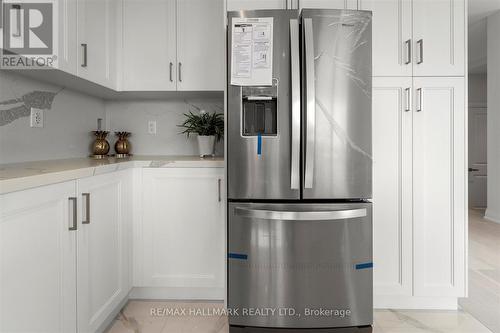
(206, 145)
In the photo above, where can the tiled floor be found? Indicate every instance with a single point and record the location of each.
(484, 271)
(137, 318)
(483, 301)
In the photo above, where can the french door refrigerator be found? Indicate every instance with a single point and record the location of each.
(299, 172)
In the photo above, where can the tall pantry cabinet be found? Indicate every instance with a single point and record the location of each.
(419, 152)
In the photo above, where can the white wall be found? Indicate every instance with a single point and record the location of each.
(493, 211)
(67, 124)
(133, 116)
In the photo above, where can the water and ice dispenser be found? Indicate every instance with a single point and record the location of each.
(260, 105)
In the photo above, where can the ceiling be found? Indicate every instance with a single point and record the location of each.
(478, 11)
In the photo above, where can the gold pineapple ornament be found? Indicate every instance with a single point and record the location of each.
(122, 145)
(100, 147)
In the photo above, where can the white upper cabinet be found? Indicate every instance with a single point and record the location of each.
(439, 37)
(392, 186)
(328, 4)
(417, 37)
(392, 36)
(255, 4)
(149, 45)
(439, 182)
(171, 45)
(38, 260)
(200, 45)
(97, 36)
(103, 246)
(67, 58)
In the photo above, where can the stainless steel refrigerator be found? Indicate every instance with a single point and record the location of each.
(299, 171)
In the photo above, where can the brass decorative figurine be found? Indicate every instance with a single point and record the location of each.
(100, 147)
(122, 145)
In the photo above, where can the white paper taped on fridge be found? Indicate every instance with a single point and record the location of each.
(252, 51)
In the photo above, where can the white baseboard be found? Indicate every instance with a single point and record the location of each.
(415, 303)
(106, 325)
(488, 215)
(161, 293)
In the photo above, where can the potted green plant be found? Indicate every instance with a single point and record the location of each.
(208, 126)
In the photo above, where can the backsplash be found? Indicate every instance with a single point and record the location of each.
(68, 120)
(70, 117)
(133, 116)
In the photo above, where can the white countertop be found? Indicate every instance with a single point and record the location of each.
(20, 176)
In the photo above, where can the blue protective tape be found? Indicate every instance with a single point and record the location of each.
(259, 144)
(237, 256)
(364, 265)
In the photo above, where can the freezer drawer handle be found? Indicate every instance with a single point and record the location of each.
(300, 216)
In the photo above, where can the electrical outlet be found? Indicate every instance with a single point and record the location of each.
(36, 119)
(152, 127)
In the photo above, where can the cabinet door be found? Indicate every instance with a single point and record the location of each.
(103, 257)
(97, 41)
(149, 47)
(255, 4)
(439, 37)
(392, 43)
(439, 187)
(328, 4)
(392, 186)
(183, 231)
(200, 45)
(38, 260)
(67, 57)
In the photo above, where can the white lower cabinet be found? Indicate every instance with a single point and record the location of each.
(418, 191)
(392, 190)
(103, 246)
(183, 232)
(38, 260)
(59, 273)
(439, 178)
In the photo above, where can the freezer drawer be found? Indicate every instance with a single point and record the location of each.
(300, 265)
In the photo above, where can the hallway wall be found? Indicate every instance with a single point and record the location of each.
(493, 210)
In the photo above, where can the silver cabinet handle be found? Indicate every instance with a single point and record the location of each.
(73, 208)
(420, 44)
(300, 216)
(170, 71)
(408, 99)
(180, 70)
(310, 103)
(87, 208)
(219, 181)
(17, 33)
(84, 50)
(408, 52)
(295, 65)
(419, 99)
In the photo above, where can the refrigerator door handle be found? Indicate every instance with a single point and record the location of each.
(295, 65)
(310, 103)
(299, 215)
